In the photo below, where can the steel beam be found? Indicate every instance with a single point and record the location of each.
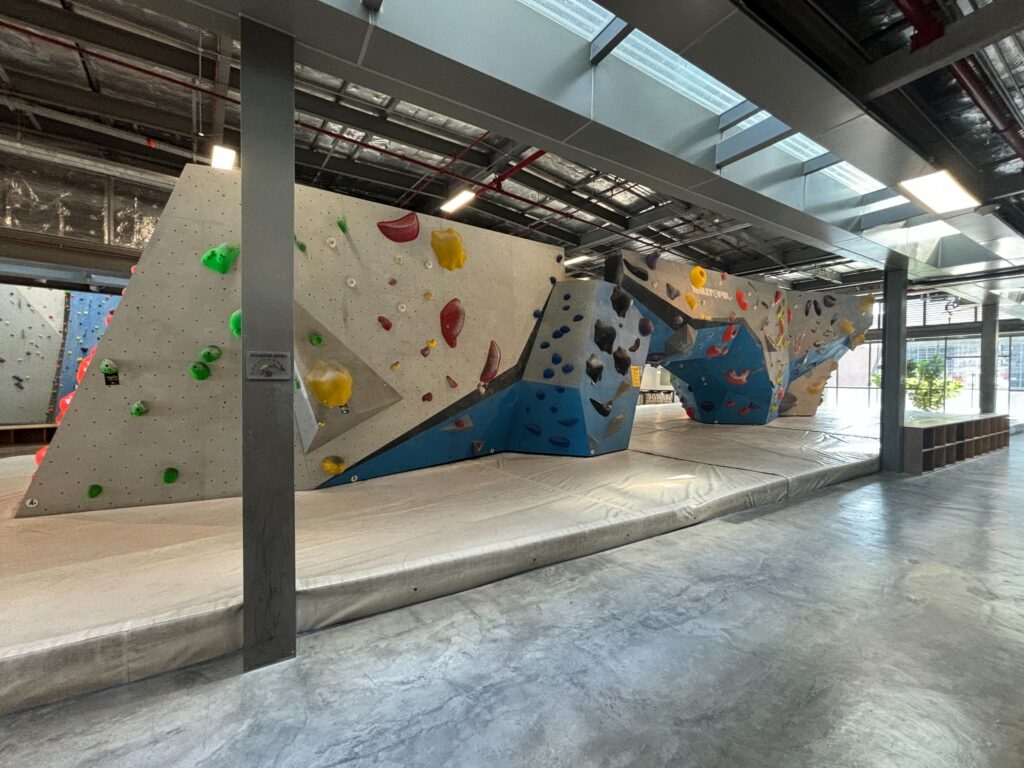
(753, 139)
(892, 215)
(894, 365)
(545, 187)
(886, 193)
(989, 352)
(984, 26)
(821, 162)
(614, 33)
(53, 251)
(268, 213)
(737, 114)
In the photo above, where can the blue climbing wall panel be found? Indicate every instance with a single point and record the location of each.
(84, 326)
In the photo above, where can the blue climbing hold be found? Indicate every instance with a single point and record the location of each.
(545, 344)
(552, 279)
(556, 358)
(556, 335)
(577, 318)
(567, 296)
(548, 373)
(537, 313)
(568, 422)
(541, 395)
(567, 368)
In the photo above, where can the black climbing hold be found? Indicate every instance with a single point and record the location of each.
(651, 259)
(533, 429)
(646, 327)
(567, 297)
(671, 291)
(541, 395)
(603, 408)
(622, 361)
(807, 307)
(559, 441)
(635, 346)
(655, 357)
(638, 271)
(828, 300)
(604, 335)
(556, 358)
(817, 307)
(707, 405)
(620, 301)
(568, 422)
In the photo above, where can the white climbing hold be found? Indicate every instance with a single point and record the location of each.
(428, 264)
(332, 242)
(401, 307)
(350, 282)
(399, 259)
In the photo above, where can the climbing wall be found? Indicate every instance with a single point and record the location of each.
(736, 346)
(31, 323)
(87, 317)
(397, 326)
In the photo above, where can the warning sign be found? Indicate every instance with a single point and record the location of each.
(636, 375)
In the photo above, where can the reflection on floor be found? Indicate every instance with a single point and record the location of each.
(875, 623)
(100, 598)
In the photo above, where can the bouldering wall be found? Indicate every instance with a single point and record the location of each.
(31, 320)
(87, 316)
(417, 342)
(741, 351)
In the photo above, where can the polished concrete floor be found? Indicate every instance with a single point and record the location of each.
(877, 623)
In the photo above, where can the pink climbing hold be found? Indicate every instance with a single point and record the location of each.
(452, 382)
(62, 406)
(427, 397)
(491, 364)
(729, 333)
(401, 230)
(41, 454)
(737, 378)
(741, 300)
(714, 351)
(384, 322)
(453, 317)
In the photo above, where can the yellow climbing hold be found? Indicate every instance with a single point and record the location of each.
(865, 304)
(698, 276)
(846, 326)
(330, 383)
(815, 389)
(428, 295)
(395, 365)
(691, 300)
(447, 245)
(333, 465)
(856, 341)
(431, 343)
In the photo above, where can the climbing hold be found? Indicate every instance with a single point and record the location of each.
(556, 358)
(350, 282)
(316, 339)
(730, 333)
(604, 335)
(428, 264)
(817, 307)
(637, 271)
(645, 326)
(108, 367)
(741, 300)
(138, 408)
(828, 300)
(622, 361)
(431, 343)
(395, 365)
(425, 351)
(533, 429)
(400, 307)
(478, 446)
(548, 373)
(577, 318)
(559, 442)
(384, 322)
(537, 313)
(778, 298)
(737, 378)
(342, 225)
(603, 408)
(856, 341)
(221, 258)
(83, 365)
(620, 301)
(691, 301)
(447, 245)
(392, 281)
(491, 364)
(846, 326)
(94, 491)
(615, 424)
(399, 258)
(209, 354)
(567, 368)
(451, 382)
(235, 323)
(199, 371)
(453, 316)
(331, 242)
(401, 230)
(62, 406)
(332, 465)
(698, 277)
(672, 292)
(427, 397)
(330, 383)
(299, 244)
(866, 303)
(716, 351)
(170, 475)
(651, 259)
(41, 454)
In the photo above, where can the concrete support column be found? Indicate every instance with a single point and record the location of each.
(989, 351)
(268, 213)
(894, 364)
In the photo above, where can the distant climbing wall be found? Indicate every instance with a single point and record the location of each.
(416, 342)
(741, 351)
(87, 319)
(31, 323)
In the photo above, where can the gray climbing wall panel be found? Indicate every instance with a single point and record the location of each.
(31, 331)
(347, 284)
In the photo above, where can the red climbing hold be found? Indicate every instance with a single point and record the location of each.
(744, 411)
(400, 230)
(729, 403)
(730, 333)
(425, 351)
(737, 378)
(384, 322)
(741, 300)
(778, 298)
(789, 315)
(691, 413)
(83, 366)
(392, 281)
(40, 454)
(427, 397)
(453, 316)
(62, 406)
(491, 364)
(452, 382)
(478, 445)
(714, 351)
(106, 320)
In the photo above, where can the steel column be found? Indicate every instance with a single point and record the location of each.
(268, 213)
(989, 351)
(894, 364)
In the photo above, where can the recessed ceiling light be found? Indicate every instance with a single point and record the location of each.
(459, 200)
(940, 192)
(223, 157)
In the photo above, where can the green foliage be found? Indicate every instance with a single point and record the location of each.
(927, 384)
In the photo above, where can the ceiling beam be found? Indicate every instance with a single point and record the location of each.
(751, 140)
(563, 195)
(737, 114)
(53, 251)
(604, 43)
(982, 27)
(821, 162)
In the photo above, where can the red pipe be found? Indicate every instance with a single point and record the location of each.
(930, 27)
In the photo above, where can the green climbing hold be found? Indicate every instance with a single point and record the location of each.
(138, 408)
(94, 491)
(235, 323)
(108, 367)
(299, 244)
(316, 339)
(199, 371)
(170, 475)
(221, 258)
(210, 353)
(343, 225)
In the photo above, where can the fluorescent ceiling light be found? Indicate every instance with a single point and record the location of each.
(223, 157)
(577, 260)
(459, 200)
(940, 192)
